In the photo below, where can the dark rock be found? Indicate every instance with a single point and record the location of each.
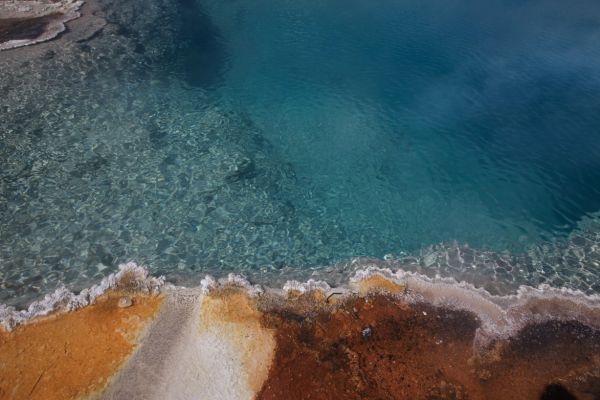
(24, 28)
(366, 333)
(48, 55)
(246, 169)
(556, 392)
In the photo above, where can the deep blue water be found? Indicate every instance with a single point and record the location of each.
(416, 122)
(275, 137)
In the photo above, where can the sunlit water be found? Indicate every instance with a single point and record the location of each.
(275, 138)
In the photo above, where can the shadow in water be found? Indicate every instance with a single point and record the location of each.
(202, 55)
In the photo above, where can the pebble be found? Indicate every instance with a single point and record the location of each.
(125, 302)
(366, 333)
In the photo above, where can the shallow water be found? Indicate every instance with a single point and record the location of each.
(276, 139)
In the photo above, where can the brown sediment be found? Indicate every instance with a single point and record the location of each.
(72, 355)
(25, 28)
(563, 353)
(380, 347)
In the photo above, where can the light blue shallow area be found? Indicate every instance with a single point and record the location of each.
(283, 138)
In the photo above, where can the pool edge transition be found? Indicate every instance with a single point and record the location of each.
(383, 335)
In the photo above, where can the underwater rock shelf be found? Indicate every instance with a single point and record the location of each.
(384, 336)
(27, 22)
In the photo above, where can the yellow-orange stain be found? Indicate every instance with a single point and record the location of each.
(234, 315)
(379, 284)
(72, 355)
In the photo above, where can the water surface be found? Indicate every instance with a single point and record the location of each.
(277, 138)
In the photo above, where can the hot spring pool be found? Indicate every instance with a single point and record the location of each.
(284, 139)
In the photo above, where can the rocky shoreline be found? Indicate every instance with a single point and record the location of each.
(23, 23)
(383, 335)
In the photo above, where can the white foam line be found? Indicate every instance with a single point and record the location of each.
(209, 284)
(500, 316)
(135, 278)
(304, 287)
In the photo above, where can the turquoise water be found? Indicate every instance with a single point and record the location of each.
(283, 138)
(410, 123)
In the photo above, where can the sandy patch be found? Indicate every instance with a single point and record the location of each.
(201, 346)
(235, 319)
